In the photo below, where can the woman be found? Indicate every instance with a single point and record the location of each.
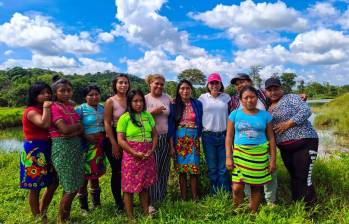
(249, 140)
(158, 104)
(91, 114)
(36, 170)
(67, 152)
(115, 106)
(214, 120)
(185, 125)
(138, 138)
(295, 137)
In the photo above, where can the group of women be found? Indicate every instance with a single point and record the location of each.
(139, 133)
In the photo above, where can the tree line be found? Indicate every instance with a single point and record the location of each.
(14, 84)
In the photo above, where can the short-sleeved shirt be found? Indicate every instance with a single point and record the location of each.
(161, 120)
(91, 118)
(65, 112)
(134, 133)
(30, 130)
(250, 129)
(215, 111)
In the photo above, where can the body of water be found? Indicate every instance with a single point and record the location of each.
(327, 139)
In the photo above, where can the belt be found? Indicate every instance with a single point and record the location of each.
(216, 133)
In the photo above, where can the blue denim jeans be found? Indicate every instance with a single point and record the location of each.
(214, 149)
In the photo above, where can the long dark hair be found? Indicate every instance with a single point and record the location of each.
(179, 102)
(56, 84)
(89, 88)
(130, 110)
(248, 88)
(34, 90)
(115, 80)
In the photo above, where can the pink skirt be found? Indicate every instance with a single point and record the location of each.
(138, 174)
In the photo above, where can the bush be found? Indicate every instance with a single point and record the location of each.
(10, 117)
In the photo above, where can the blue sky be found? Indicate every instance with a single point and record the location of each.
(140, 37)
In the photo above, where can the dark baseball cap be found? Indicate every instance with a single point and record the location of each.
(272, 82)
(240, 76)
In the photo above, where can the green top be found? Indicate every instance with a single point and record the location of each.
(133, 132)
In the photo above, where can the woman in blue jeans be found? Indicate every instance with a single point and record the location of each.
(215, 115)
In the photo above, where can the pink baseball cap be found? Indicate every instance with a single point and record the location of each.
(214, 77)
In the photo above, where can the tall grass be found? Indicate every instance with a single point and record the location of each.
(10, 117)
(334, 114)
(331, 178)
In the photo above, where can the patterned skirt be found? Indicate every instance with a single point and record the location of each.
(138, 174)
(94, 165)
(68, 160)
(251, 164)
(187, 150)
(36, 169)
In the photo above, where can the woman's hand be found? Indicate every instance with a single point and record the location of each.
(139, 155)
(172, 152)
(158, 110)
(272, 166)
(116, 151)
(229, 164)
(283, 126)
(148, 154)
(92, 138)
(47, 104)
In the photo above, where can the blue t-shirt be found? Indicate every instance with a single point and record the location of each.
(250, 129)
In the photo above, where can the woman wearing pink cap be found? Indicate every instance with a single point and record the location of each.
(214, 120)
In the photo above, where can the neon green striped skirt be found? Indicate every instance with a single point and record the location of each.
(251, 164)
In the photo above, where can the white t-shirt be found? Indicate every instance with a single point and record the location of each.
(215, 112)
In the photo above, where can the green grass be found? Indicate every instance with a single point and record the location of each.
(331, 178)
(10, 117)
(334, 114)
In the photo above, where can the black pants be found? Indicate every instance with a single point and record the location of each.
(298, 158)
(115, 181)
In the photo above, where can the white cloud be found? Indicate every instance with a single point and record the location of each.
(43, 37)
(320, 41)
(252, 25)
(63, 64)
(53, 62)
(251, 16)
(8, 52)
(105, 37)
(344, 19)
(10, 63)
(323, 9)
(142, 24)
(262, 56)
(158, 61)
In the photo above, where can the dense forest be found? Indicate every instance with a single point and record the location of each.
(14, 84)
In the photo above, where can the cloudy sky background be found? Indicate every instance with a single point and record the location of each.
(140, 37)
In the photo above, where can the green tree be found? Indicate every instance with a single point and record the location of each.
(256, 77)
(195, 76)
(288, 81)
(170, 88)
(301, 86)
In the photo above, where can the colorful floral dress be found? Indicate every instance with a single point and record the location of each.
(36, 170)
(92, 120)
(137, 174)
(187, 143)
(67, 153)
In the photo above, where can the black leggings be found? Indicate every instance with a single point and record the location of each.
(115, 181)
(298, 158)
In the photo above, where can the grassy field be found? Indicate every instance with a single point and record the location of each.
(331, 176)
(335, 115)
(10, 117)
